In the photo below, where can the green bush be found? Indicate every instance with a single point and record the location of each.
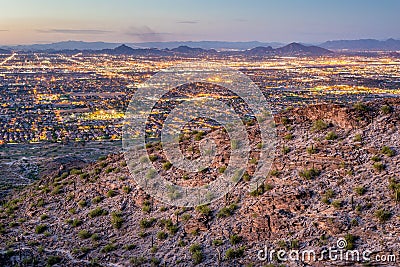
(144, 223)
(162, 235)
(289, 136)
(82, 203)
(97, 200)
(197, 254)
(360, 107)
(360, 190)
(108, 248)
(309, 173)
(383, 215)
(388, 151)
(235, 253)
(204, 210)
(235, 239)
(350, 239)
(117, 220)
(358, 138)
(97, 212)
(337, 204)
(386, 109)
(84, 234)
(331, 136)
(217, 242)
(285, 150)
(167, 165)
(311, 150)
(40, 229)
(227, 211)
(111, 193)
(379, 166)
(376, 158)
(319, 125)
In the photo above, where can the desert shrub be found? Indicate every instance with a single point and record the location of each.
(337, 204)
(383, 215)
(388, 151)
(288, 136)
(117, 220)
(222, 169)
(40, 229)
(311, 150)
(204, 210)
(360, 107)
(235, 253)
(97, 212)
(379, 166)
(197, 254)
(217, 242)
(227, 211)
(294, 244)
(162, 235)
(84, 234)
(146, 206)
(167, 165)
(386, 109)
(274, 173)
(75, 171)
(82, 203)
(57, 190)
(126, 189)
(309, 173)
(376, 158)
(319, 125)
(357, 138)
(350, 239)
(285, 120)
(108, 248)
(84, 176)
(138, 261)
(235, 239)
(285, 150)
(111, 193)
(186, 216)
(331, 136)
(97, 200)
(360, 190)
(144, 223)
(153, 158)
(95, 237)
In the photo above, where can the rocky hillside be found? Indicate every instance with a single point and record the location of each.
(335, 175)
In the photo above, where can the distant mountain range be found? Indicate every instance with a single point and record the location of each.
(4, 51)
(363, 45)
(80, 45)
(293, 49)
(350, 45)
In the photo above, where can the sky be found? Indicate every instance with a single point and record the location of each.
(308, 21)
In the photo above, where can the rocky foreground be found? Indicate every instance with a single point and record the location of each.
(335, 175)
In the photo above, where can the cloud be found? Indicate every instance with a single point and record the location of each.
(188, 22)
(74, 31)
(3, 30)
(146, 34)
